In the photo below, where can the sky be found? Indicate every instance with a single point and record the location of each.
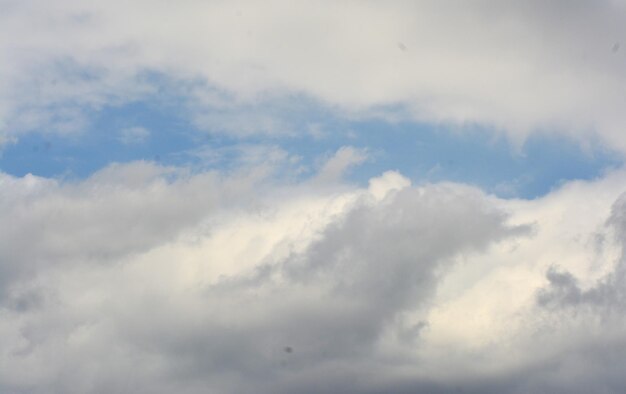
(312, 196)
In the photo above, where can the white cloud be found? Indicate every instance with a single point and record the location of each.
(517, 67)
(151, 279)
(177, 276)
(334, 168)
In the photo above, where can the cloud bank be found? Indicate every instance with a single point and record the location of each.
(144, 278)
(238, 66)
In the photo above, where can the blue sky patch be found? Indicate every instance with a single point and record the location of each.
(161, 131)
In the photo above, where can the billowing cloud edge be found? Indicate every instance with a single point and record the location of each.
(209, 281)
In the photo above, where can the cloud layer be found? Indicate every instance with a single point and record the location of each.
(252, 265)
(238, 65)
(147, 279)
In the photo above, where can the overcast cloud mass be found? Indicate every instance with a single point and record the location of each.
(312, 197)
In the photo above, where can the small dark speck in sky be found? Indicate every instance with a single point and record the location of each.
(401, 46)
(288, 349)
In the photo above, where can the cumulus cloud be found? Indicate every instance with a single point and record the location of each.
(147, 269)
(516, 67)
(151, 279)
(120, 210)
(606, 295)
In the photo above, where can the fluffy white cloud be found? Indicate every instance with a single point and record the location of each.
(150, 279)
(513, 66)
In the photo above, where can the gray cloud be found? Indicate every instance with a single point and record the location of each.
(330, 304)
(301, 289)
(118, 211)
(239, 65)
(117, 319)
(564, 289)
(589, 354)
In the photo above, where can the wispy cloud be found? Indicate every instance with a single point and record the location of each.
(134, 135)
